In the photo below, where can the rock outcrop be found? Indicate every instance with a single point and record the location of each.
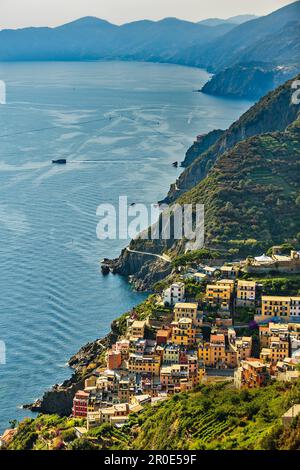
(143, 270)
(59, 399)
(202, 144)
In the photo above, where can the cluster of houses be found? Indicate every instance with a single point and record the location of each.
(279, 356)
(152, 362)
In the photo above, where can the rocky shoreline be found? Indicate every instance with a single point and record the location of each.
(59, 399)
(142, 270)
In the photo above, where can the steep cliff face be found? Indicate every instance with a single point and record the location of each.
(241, 82)
(58, 400)
(249, 81)
(144, 270)
(274, 112)
(203, 143)
(251, 195)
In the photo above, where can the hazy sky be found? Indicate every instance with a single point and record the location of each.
(19, 13)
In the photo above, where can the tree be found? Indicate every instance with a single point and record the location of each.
(13, 423)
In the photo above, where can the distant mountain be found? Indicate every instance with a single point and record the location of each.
(218, 45)
(239, 19)
(92, 38)
(271, 38)
(232, 20)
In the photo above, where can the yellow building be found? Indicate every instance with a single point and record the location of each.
(274, 306)
(185, 310)
(246, 293)
(143, 364)
(242, 346)
(219, 295)
(137, 329)
(226, 282)
(216, 354)
(277, 351)
(183, 332)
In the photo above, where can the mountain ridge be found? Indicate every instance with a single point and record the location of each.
(167, 40)
(265, 116)
(249, 177)
(238, 19)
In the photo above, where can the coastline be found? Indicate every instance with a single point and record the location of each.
(59, 399)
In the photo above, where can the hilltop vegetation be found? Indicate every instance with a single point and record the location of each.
(273, 112)
(248, 189)
(249, 183)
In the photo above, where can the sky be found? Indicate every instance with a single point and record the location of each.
(22, 13)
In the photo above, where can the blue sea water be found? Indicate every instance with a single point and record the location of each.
(135, 119)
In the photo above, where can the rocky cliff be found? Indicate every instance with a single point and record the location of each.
(203, 143)
(249, 81)
(273, 112)
(143, 270)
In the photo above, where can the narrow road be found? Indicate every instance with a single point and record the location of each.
(164, 257)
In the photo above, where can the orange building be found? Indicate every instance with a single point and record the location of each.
(114, 360)
(183, 333)
(162, 336)
(277, 350)
(216, 353)
(252, 373)
(219, 295)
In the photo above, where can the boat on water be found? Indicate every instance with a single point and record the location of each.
(60, 161)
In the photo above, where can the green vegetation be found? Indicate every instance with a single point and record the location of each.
(195, 257)
(45, 432)
(278, 284)
(211, 417)
(195, 290)
(217, 417)
(285, 249)
(149, 308)
(250, 187)
(244, 314)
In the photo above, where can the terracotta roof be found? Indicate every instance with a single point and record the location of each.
(164, 333)
(217, 338)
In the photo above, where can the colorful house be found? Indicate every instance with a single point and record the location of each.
(80, 404)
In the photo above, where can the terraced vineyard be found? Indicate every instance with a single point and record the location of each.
(215, 417)
(210, 427)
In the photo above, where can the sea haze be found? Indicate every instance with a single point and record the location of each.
(135, 120)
